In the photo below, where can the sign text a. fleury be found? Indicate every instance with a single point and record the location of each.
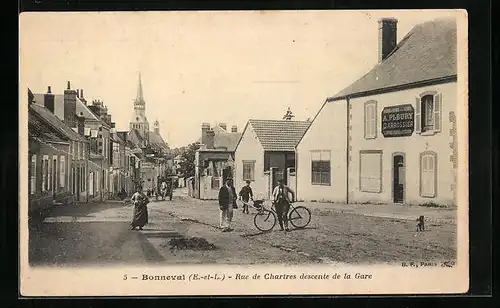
(398, 121)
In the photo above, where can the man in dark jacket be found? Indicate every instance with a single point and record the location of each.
(227, 201)
(246, 194)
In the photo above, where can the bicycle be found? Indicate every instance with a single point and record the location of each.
(265, 219)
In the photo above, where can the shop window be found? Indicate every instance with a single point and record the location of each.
(370, 120)
(370, 171)
(248, 170)
(428, 113)
(320, 168)
(428, 174)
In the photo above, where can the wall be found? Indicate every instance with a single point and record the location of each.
(250, 148)
(412, 146)
(327, 132)
(39, 199)
(205, 180)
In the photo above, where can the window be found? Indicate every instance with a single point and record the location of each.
(45, 166)
(428, 173)
(83, 178)
(62, 171)
(428, 112)
(248, 170)
(371, 120)
(49, 174)
(33, 174)
(320, 168)
(55, 174)
(370, 171)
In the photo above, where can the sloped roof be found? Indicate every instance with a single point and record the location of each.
(427, 52)
(55, 122)
(40, 129)
(82, 109)
(224, 140)
(279, 135)
(156, 140)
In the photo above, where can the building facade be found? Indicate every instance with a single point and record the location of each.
(266, 154)
(394, 132)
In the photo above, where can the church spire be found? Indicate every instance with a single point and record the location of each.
(140, 97)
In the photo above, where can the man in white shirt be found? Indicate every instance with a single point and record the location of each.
(282, 202)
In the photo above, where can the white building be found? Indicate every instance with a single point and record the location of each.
(390, 137)
(266, 153)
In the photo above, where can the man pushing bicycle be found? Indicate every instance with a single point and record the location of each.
(282, 201)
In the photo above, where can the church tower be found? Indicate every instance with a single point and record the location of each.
(140, 122)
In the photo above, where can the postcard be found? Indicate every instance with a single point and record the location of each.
(243, 153)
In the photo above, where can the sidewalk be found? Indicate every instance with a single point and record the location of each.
(391, 211)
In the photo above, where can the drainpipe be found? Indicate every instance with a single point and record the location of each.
(347, 149)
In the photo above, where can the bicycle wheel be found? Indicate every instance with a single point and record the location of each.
(264, 220)
(300, 217)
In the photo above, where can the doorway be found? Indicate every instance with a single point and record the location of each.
(399, 178)
(227, 173)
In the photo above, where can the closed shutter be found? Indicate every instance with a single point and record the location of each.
(33, 174)
(428, 176)
(370, 172)
(374, 121)
(62, 168)
(418, 119)
(437, 112)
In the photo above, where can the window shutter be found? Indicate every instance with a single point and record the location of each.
(375, 120)
(418, 120)
(367, 107)
(437, 111)
(431, 175)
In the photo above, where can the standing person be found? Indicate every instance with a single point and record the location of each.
(281, 200)
(227, 201)
(140, 202)
(246, 194)
(163, 189)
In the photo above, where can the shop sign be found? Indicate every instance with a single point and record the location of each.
(398, 121)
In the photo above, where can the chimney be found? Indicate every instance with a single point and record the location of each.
(234, 129)
(49, 100)
(204, 128)
(387, 37)
(70, 107)
(210, 139)
(223, 126)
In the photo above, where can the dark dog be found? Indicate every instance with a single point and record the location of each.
(421, 224)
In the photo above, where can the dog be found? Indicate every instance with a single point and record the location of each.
(421, 224)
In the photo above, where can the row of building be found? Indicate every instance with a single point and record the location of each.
(389, 137)
(77, 155)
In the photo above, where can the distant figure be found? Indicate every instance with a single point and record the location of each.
(282, 203)
(122, 194)
(421, 224)
(163, 189)
(140, 201)
(246, 195)
(227, 201)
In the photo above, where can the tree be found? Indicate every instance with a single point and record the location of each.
(188, 156)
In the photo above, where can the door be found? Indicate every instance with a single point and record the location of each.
(398, 178)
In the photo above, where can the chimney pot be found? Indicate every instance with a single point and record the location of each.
(223, 126)
(49, 91)
(234, 129)
(69, 86)
(81, 92)
(387, 39)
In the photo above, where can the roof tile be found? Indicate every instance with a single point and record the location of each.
(279, 135)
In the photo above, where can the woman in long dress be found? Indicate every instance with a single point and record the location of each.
(140, 217)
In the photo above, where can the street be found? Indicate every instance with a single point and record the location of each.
(99, 234)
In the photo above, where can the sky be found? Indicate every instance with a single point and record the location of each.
(215, 67)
